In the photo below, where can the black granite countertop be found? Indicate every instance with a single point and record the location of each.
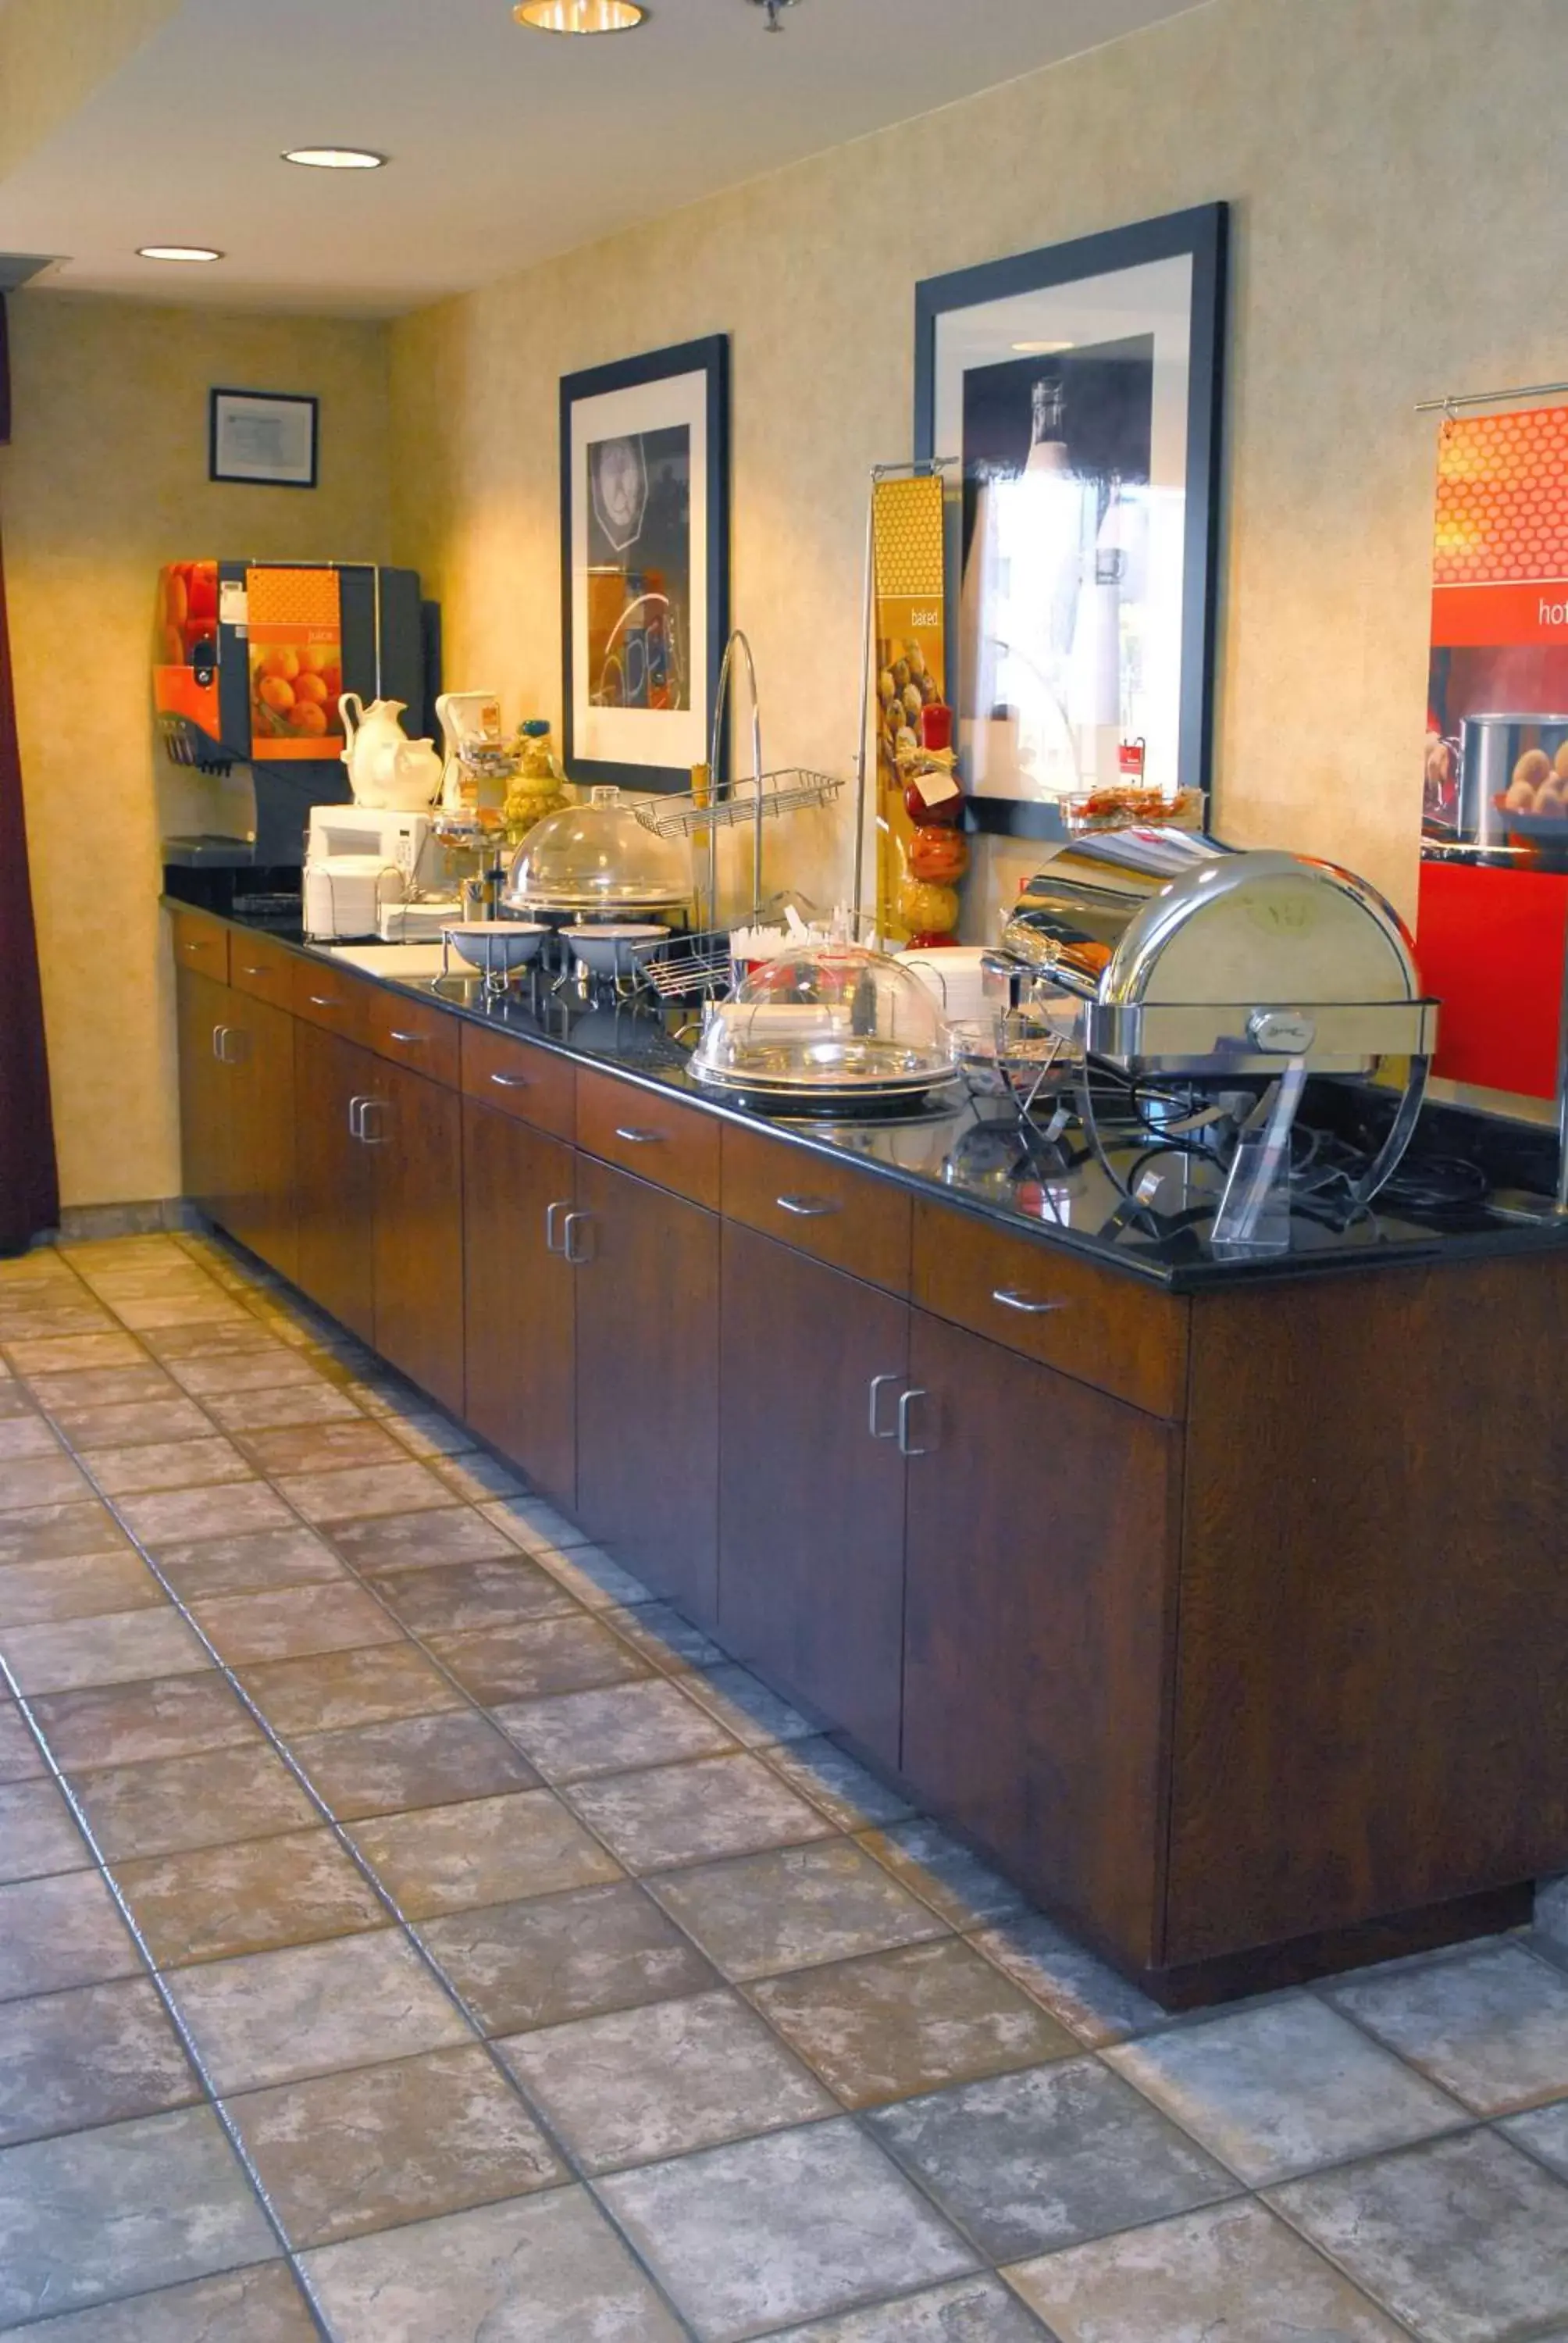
(973, 1152)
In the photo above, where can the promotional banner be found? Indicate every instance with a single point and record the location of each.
(912, 673)
(1494, 874)
(294, 624)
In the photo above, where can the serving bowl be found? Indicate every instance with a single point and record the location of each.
(613, 948)
(496, 947)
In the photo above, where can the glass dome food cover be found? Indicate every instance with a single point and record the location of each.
(599, 859)
(826, 1021)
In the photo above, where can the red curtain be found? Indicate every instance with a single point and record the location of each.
(29, 1187)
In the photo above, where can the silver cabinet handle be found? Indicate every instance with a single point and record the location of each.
(878, 1430)
(1012, 1299)
(409, 1041)
(635, 1138)
(552, 1233)
(512, 1082)
(906, 1401)
(236, 1033)
(323, 1000)
(808, 1207)
(569, 1227)
(253, 972)
(193, 948)
(356, 1106)
(372, 1138)
(218, 1033)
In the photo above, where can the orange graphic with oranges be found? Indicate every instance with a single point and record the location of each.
(296, 636)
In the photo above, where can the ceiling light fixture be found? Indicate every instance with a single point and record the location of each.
(773, 8)
(336, 158)
(177, 252)
(580, 15)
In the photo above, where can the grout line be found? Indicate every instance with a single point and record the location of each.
(171, 2010)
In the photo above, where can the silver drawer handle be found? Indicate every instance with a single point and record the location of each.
(879, 1385)
(906, 1401)
(409, 1041)
(512, 1082)
(322, 1000)
(1012, 1299)
(808, 1207)
(253, 972)
(635, 1138)
(193, 948)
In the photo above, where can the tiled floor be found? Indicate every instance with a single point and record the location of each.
(411, 1932)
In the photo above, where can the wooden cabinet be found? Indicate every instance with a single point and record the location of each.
(201, 945)
(258, 1050)
(201, 1014)
(1041, 1545)
(811, 1486)
(519, 1323)
(414, 1129)
(835, 1210)
(334, 1183)
(647, 1132)
(647, 1269)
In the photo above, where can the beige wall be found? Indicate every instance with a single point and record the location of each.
(104, 480)
(1398, 231)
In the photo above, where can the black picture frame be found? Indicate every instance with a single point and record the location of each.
(1202, 234)
(253, 477)
(709, 359)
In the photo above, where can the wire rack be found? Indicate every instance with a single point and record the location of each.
(688, 968)
(794, 791)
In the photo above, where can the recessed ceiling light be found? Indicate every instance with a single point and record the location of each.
(1043, 349)
(580, 15)
(177, 252)
(336, 158)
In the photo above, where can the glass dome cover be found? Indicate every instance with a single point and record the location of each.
(827, 1019)
(596, 858)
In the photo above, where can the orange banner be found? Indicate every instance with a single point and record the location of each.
(295, 628)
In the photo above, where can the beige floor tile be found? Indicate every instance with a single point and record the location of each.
(122, 2210)
(121, 1647)
(479, 1478)
(847, 1795)
(279, 1406)
(156, 1314)
(61, 1932)
(538, 2270)
(213, 1799)
(250, 1562)
(974, 2311)
(156, 1422)
(26, 1435)
(134, 1724)
(421, 1540)
(261, 1364)
(584, 1734)
(180, 1516)
(67, 1398)
(100, 2054)
(276, 2017)
(1089, 1998)
(38, 1834)
(902, 2023)
(1488, 2024)
(342, 2156)
(165, 1464)
(482, 1851)
(429, 1434)
(557, 1958)
(232, 1342)
(27, 1481)
(48, 1532)
(538, 1658)
(71, 1353)
(342, 1688)
(1233, 2271)
(358, 1492)
(959, 1889)
(260, 2305)
(761, 1914)
(212, 1903)
(76, 1587)
(324, 1447)
(462, 1597)
(410, 1761)
(21, 1759)
(291, 1622)
(714, 1806)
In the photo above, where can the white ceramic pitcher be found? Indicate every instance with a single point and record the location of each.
(386, 770)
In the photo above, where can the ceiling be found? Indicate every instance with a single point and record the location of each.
(508, 145)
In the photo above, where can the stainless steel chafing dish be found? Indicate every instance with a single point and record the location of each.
(1195, 959)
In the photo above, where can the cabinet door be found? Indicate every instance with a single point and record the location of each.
(518, 1296)
(334, 1251)
(202, 1012)
(261, 1211)
(1042, 1547)
(812, 1498)
(415, 1133)
(648, 1381)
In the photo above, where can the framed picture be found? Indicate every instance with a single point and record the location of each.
(645, 562)
(267, 437)
(1077, 393)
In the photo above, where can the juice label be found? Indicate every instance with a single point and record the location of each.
(296, 654)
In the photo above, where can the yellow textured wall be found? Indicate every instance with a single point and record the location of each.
(104, 480)
(1398, 231)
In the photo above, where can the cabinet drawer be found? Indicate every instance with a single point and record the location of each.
(331, 997)
(201, 944)
(262, 967)
(841, 1215)
(1090, 1324)
(673, 1146)
(414, 1035)
(530, 1085)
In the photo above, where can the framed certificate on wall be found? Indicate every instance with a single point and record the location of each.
(266, 439)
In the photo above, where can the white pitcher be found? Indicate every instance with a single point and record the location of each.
(385, 769)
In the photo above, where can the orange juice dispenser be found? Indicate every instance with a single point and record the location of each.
(250, 661)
